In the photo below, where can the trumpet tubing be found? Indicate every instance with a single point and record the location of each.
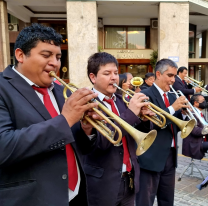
(185, 126)
(143, 140)
(159, 122)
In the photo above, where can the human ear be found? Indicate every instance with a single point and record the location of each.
(92, 78)
(19, 55)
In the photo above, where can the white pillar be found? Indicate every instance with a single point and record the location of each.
(4, 37)
(173, 31)
(82, 39)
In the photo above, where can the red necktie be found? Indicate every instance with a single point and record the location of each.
(167, 104)
(183, 81)
(202, 115)
(72, 167)
(126, 157)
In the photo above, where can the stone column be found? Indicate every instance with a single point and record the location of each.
(204, 44)
(173, 31)
(197, 48)
(4, 37)
(82, 39)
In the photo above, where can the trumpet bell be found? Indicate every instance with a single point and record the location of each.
(145, 142)
(186, 127)
(137, 81)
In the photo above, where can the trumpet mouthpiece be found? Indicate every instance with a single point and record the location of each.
(115, 85)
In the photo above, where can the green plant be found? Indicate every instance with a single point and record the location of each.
(100, 49)
(153, 59)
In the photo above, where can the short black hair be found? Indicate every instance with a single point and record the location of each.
(99, 59)
(148, 75)
(163, 65)
(195, 98)
(181, 69)
(122, 79)
(30, 36)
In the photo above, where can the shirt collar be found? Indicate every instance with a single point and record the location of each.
(101, 96)
(179, 78)
(160, 90)
(29, 81)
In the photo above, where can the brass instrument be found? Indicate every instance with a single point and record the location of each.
(185, 126)
(137, 81)
(143, 140)
(194, 112)
(199, 83)
(196, 83)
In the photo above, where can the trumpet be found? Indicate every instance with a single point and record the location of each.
(188, 111)
(199, 83)
(185, 126)
(195, 112)
(160, 122)
(143, 140)
(196, 83)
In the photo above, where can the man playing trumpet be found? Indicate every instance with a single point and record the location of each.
(112, 171)
(157, 177)
(40, 163)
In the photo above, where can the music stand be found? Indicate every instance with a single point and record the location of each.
(192, 165)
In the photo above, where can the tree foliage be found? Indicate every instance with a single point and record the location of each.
(153, 58)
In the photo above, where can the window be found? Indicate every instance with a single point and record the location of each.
(127, 37)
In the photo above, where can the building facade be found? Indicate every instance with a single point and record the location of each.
(132, 31)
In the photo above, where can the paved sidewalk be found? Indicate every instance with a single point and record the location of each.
(186, 192)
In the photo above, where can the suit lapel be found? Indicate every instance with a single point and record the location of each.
(119, 103)
(58, 93)
(158, 97)
(27, 91)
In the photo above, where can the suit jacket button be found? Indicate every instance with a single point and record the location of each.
(64, 176)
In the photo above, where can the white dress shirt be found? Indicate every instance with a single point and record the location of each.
(101, 96)
(170, 108)
(71, 193)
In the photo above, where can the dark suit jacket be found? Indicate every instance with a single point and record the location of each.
(103, 166)
(184, 88)
(192, 145)
(144, 86)
(32, 146)
(155, 157)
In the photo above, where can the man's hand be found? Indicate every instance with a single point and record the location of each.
(146, 111)
(198, 89)
(86, 126)
(137, 102)
(77, 104)
(180, 103)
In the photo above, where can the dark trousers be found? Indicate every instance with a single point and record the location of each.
(160, 184)
(126, 196)
(204, 147)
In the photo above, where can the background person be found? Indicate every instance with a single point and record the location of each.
(195, 145)
(148, 80)
(180, 83)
